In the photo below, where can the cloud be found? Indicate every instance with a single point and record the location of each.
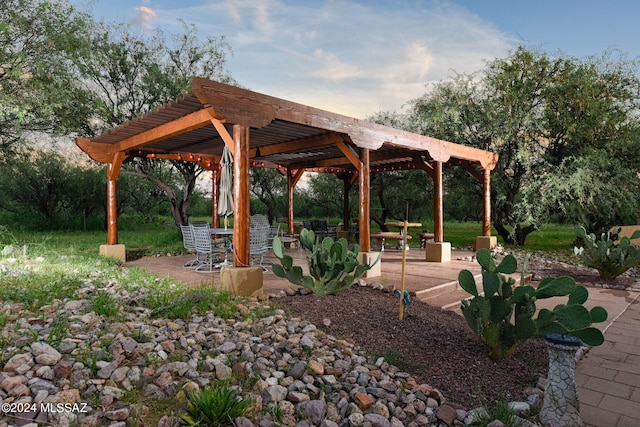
(349, 56)
(250, 14)
(144, 16)
(332, 68)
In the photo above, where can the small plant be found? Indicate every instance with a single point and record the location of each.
(104, 304)
(500, 411)
(332, 266)
(182, 303)
(59, 329)
(216, 406)
(275, 413)
(503, 317)
(398, 359)
(4, 319)
(610, 255)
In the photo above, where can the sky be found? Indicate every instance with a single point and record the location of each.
(360, 57)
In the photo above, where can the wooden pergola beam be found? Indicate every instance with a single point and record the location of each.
(176, 127)
(299, 144)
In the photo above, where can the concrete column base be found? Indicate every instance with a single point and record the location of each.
(118, 252)
(369, 258)
(242, 281)
(438, 251)
(486, 242)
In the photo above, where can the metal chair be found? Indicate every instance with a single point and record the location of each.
(189, 243)
(207, 251)
(258, 244)
(274, 231)
(259, 220)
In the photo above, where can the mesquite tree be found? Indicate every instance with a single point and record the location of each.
(544, 115)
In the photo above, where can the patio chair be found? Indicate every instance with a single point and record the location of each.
(207, 251)
(259, 220)
(258, 239)
(274, 231)
(190, 244)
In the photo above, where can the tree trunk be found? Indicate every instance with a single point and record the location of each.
(507, 237)
(522, 233)
(517, 237)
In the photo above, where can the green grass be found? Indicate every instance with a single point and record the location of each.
(500, 411)
(59, 329)
(104, 304)
(550, 237)
(163, 238)
(146, 239)
(179, 303)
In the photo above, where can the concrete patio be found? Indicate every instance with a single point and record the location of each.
(419, 275)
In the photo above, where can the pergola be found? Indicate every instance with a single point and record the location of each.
(265, 131)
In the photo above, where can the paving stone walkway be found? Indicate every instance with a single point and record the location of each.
(608, 378)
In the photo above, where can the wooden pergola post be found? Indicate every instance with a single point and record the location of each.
(241, 206)
(365, 187)
(290, 187)
(486, 240)
(346, 216)
(438, 230)
(486, 200)
(113, 171)
(438, 250)
(112, 248)
(292, 180)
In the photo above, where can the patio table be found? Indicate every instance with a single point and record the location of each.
(228, 244)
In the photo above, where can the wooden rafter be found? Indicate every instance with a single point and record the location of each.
(182, 125)
(297, 145)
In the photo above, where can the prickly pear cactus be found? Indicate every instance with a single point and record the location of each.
(503, 316)
(609, 255)
(332, 266)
